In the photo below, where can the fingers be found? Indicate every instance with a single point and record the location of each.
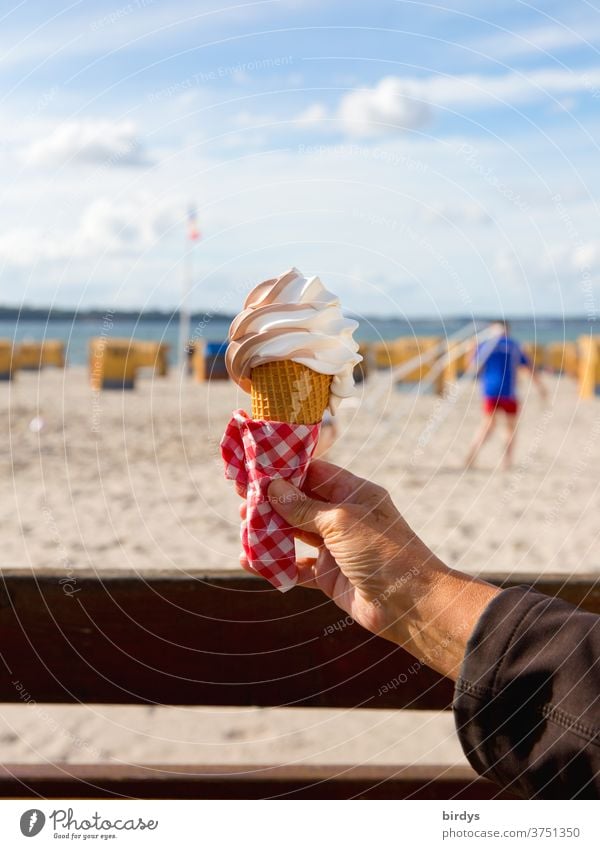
(310, 539)
(306, 571)
(316, 540)
(329, 482)
(245, 565)
(298, 509)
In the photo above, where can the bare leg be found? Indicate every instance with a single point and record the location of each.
(483, 433)
(511, 432)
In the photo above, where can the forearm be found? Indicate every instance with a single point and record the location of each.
(436, 616)
(374, 566)
(539, 383)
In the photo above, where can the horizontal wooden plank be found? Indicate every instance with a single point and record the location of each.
(67, 781)
(167, 638)
(211, 641)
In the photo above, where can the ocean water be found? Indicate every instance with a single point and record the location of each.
(76, 334)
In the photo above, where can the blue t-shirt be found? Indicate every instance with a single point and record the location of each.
(498, 361)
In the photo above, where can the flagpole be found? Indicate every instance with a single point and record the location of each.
(184, 313)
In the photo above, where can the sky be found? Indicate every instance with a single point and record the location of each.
(422, 158)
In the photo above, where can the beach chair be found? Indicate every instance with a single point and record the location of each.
(397, 352)
(589, 366)
(535, 353)
(455, 368)
(561, 358)
(223, 639)
(28, 356)
(6, 359)
(112, 363)
(214, 361)
(361, 370)
(197, 360)
(53, 353)
(154, 355)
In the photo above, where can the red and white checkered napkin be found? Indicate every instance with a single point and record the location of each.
(256, 452)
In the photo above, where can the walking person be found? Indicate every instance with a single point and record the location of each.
(497, 363)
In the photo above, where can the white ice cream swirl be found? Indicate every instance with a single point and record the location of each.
(294, 318)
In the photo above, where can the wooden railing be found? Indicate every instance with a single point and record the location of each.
(221, 639)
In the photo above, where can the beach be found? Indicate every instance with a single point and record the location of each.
(134, 480)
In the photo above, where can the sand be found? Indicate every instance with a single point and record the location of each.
(134, 480)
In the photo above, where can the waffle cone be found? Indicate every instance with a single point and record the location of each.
(285, 391)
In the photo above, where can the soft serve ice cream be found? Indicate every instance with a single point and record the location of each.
(294, 318)
(293, 351)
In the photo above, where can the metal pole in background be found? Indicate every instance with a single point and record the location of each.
(187, 282)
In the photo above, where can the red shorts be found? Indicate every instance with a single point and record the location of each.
(509, 405)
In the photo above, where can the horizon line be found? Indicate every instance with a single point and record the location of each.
(163, 312)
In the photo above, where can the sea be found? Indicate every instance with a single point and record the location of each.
(77, 333)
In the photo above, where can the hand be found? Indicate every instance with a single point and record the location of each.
(375, 568)
(366, 551)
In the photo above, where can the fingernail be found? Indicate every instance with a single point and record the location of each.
(280, 490)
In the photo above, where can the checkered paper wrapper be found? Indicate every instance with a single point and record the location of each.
(255, 453)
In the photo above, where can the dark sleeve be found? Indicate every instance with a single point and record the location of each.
(527, 702)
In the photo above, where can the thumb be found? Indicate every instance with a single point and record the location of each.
(298, 509)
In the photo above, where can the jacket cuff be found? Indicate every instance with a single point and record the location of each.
(497, 697)
(526, 700)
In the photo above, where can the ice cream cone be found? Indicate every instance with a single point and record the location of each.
(286, 391)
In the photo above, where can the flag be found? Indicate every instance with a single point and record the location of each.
(193, 231)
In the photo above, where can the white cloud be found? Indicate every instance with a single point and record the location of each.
(566, 258)
(474, 90)
(106, 228)
(550, 38)
(507, 268)
(587, 255)
(462, 214)
(259, 213)
(87, 142)
(390, 105)
(313, 115)
(112, 227)
(400, 103)
(21, 247)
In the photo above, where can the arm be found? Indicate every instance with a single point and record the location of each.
(535, 376)
(527, 667)
(527, 702)
(539, 383)
(377, 569)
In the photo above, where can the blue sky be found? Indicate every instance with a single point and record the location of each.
(422, 159)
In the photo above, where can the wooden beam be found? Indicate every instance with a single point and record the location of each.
(221, 639)
(67, 781)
